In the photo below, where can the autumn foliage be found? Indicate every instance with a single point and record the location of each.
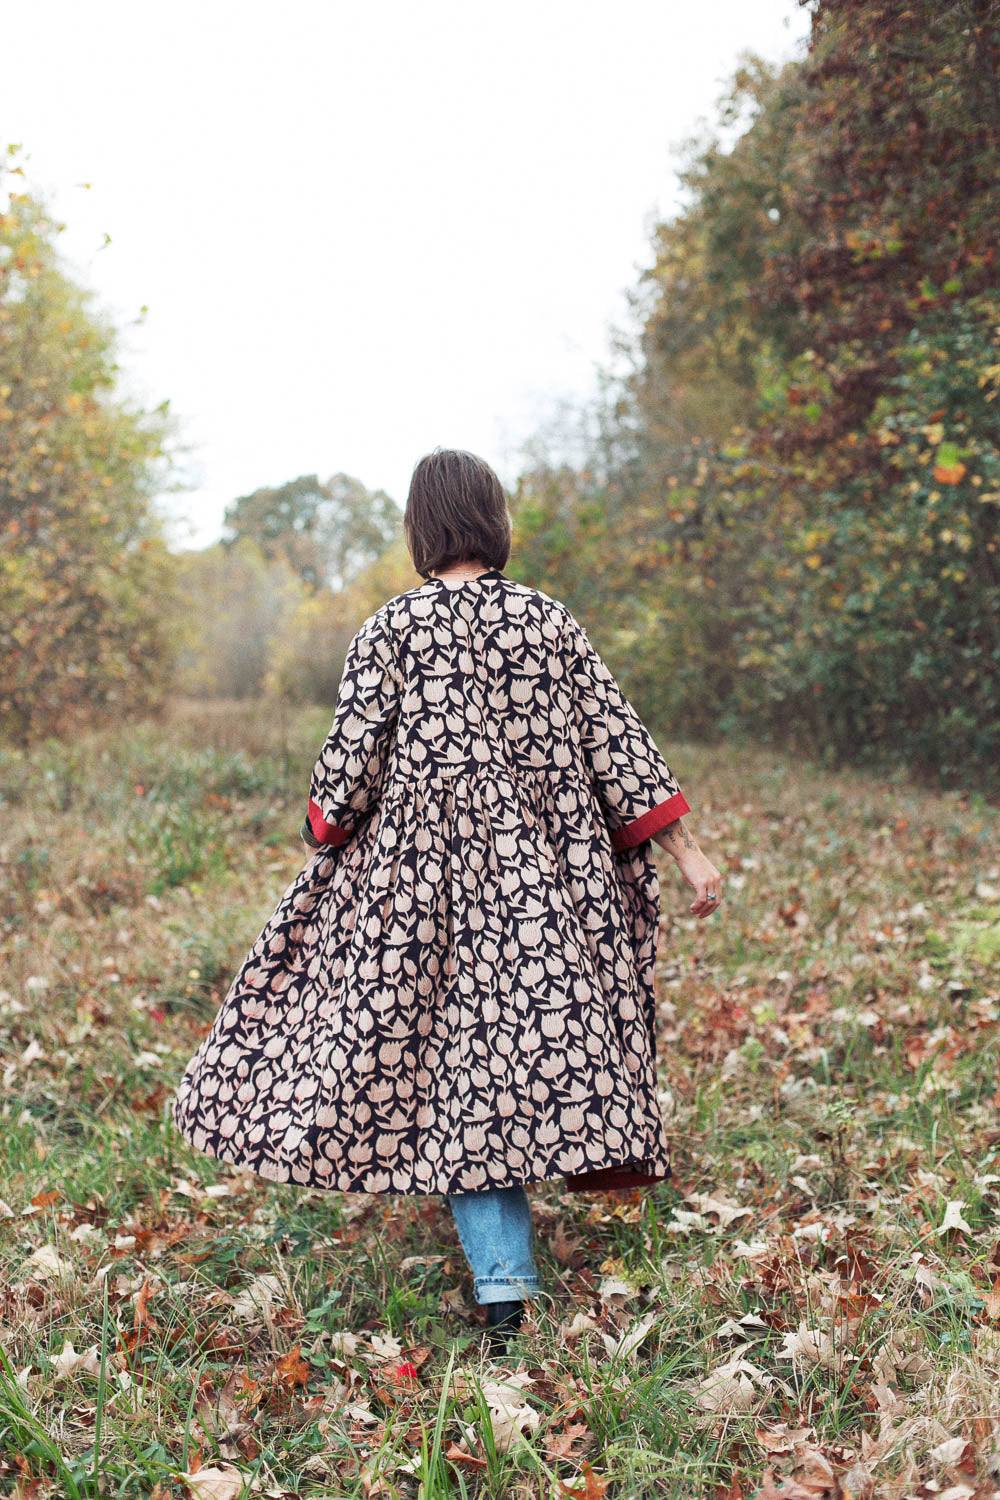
(84, 569)
(802, 475)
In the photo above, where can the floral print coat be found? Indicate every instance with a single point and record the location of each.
(456, 991)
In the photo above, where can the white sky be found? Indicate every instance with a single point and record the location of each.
(362, 230)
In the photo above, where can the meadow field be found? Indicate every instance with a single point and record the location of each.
(810, 1308)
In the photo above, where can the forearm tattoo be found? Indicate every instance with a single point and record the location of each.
(675, 833)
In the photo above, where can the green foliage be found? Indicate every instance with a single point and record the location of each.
(187, 844)
(799, 539)
(328, 533)
(84, 570)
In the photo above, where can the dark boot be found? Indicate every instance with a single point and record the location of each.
(502, 1320)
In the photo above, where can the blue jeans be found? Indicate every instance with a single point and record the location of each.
(497, 1235)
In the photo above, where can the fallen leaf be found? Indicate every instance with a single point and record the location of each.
(562, 1245)
(730, 1329)
(594, 1486)
(615, 1290)
(456, 1454)
(47, 1262)
(561, 1444)
(953, 1218)
(950, 1452)
(222, 1483)
(683, 1222)
(291, 1369)
(343, 1342)
(512, 1423)
(731, 1386)
(582, 1323)
(626, 1345)
(257, 1298)
(386, 1346)
(726, 1210)
(69, 1362)
(811, 1345)
(726, 1391)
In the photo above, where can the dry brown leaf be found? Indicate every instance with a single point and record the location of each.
(291, 1369)
(256, 1300)
(420, 1260)
(626, 1345)
(782, 1439)
(452, 1301)
(216, 1483)
(46, 1262)
(811, 1346)
(727, 1389)
(512, 1423)
(594, 1486)
(581, 1323)
(857, 1484)
(377, 1485)
(69, 1362)
(564, 1246)
(385, 1346)
(731, 1387)
(953, 1218)
(343, 1343)
(951, 1452)
(717, 1204)
(561, 1444)
(616, 1291)
(455, 1453)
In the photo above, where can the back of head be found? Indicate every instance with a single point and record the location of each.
(456, 511)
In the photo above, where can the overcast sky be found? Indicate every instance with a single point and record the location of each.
(363, 230)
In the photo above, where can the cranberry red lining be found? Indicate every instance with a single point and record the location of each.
(651, 822)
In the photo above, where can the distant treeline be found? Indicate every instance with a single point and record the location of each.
(783, 524)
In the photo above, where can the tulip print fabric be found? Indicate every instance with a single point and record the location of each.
(456, 991)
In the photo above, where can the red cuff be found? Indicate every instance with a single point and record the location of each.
(327, 833)
(651, 822)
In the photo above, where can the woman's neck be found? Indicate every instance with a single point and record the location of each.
(459, 572)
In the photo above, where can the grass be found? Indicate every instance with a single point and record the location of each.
(810, 1307)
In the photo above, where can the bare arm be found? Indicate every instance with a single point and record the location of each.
(675, 837)
(697, 869)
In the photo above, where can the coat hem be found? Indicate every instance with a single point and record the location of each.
(608, 1177)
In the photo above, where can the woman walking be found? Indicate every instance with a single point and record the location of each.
(455, 995)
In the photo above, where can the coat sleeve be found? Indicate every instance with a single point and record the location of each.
(347, 778)
(637, 791)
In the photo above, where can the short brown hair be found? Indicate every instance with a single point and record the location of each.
(456, 510)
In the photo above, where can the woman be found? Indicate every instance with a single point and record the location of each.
(455, 995)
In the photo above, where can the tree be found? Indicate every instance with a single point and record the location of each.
(84, 568)
(328, 532)
(793, 510)
(815, 406)
(233, 604)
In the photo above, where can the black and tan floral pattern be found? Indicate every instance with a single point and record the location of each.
(456, 991)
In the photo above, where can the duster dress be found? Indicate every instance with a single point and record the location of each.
(456, 992)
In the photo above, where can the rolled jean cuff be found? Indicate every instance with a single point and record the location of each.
(504, 1288)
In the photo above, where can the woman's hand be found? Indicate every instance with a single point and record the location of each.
(699, 872)
(696, 867)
